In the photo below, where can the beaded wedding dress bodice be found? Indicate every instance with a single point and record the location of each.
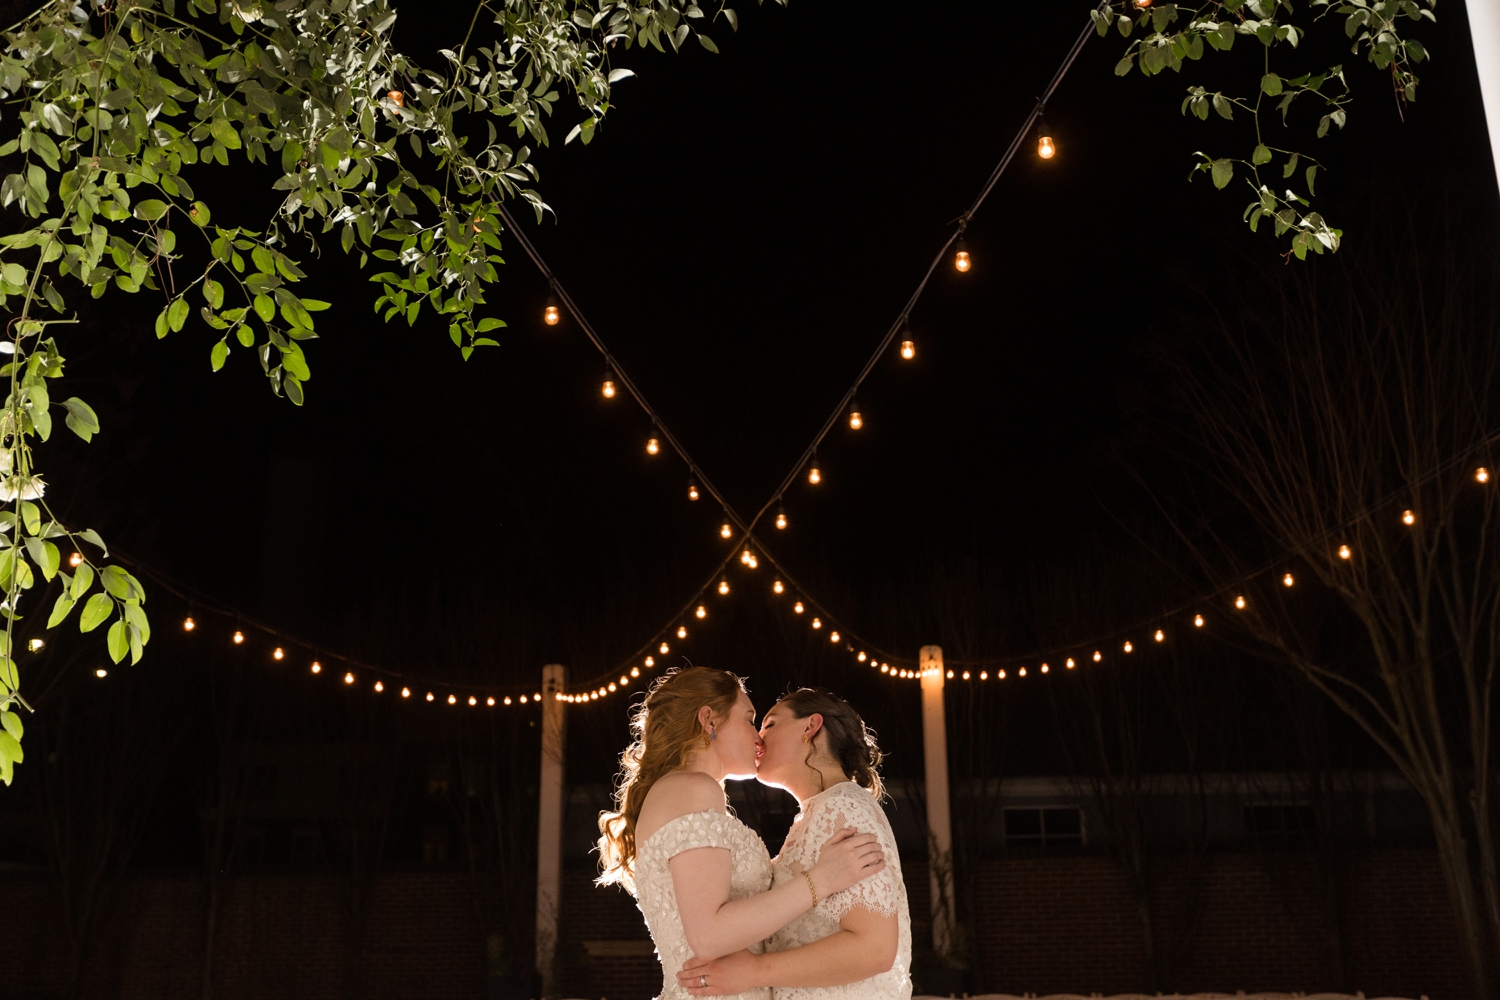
(750, 873)
(845, 804)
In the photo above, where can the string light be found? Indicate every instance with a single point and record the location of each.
(950, 675)
(507, 699)
(316, 667)
(1098, 656)
(682, 631)
(1000, 674)
(608, 388)
(1160, 636)
(1239, 602)
(36, 644)
(1070, 663)
(702, 612)
(652, 446)
(833, 637)
(1045, 147)
(379, 687)
(961, 260)
(1408, 518)
(856, 419)
(612, 687)
(1128, 647)
(1198, 621)
(101, 673)
(664, 649)
(650, 661)
(452, 699)
(76, 559)
(624, 680)
(1022, 672)
(429, 695)
(726, 530)
(277, 653)
(966, 675)
(814, 474)
(908, 349)
(406, 692)
(1287, 580)
(780, 518)
(188, 624)
(635, 671)
(778, 587)
(523, 699)
(239, 637)
(348, 678)
(984, 675)
(817, 623)
(692, 490)
(1481, 475)
(490, 701)
(1344, 552)
(473, 701)
(723, 586)
(885, 669)
(1141, 4)
(551, 315)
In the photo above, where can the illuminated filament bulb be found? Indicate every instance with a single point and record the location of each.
(966, 675)
(635, 671)
(551, 315)
(1287, 580)
(663, 649)
(692, 490)
(861, 657)
(188, 624)
(723, 586)
(473, 701)
(239, 637)
(452, 699)
(523, 699)
(682, 631)
(1239, 602)
(612, 687)
(1022, 672)
(429, 695)
(348, 678)
(277, 654)
(1344, 552)
(650, 661)
(379, 687)
(624, 680)
(1141, 4)
(984, 675)
(1070, 664)
(797, 607)
(490, 701)
(780, 519)
(317, 667)
(1129, 648)
(961, 260)
(1160, 636)
(1098, 656)
(36, 644)
(1408, 518)
(406, 692)
(1198, 621)
(75, 559)
(814, 474)
(856, 419)
(726, 530)
(908, 349)
(608, 388)
(1045, 147)
(817, 623)
(101, 673)
(833, 637)
(702, 612)
(652, 446)
(506, 699)
(1481, 475)
(778, 587)
(748, 558)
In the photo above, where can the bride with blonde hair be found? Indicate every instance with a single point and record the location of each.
(701, 878)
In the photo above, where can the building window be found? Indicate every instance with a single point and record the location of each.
(1280, 824)
(1044, 827)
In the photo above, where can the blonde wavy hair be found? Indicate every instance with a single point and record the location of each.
(666, 732)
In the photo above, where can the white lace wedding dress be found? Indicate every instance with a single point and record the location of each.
(750, 873)
(845, 804)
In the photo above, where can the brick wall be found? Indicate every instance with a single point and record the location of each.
(1045, 923)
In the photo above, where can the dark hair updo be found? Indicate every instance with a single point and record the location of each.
(844, 735)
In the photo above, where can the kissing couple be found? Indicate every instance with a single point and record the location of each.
(827, 918)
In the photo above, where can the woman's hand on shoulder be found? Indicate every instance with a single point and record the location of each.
(846, 858)
(732, 973)
(678, 793)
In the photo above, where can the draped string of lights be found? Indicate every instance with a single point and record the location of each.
(751, 550)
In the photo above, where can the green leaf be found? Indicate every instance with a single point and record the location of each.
(487, 324)
(199, 213)
(10, 748)
(116, 582)
(12, 724)
(708, 43)
(177, 313)
(92, 537)
(214, 293)
(81, 419)
(265, 308)
(31, 517)
(1261, 155)
(1270, 84)
(1223, 107)
(135, 616)
(1312, 172)
(117, 642)
(94, 612)
(217, 355)
(61, 609)
(150, 210)
(1223, 170)
(223, 131)
(83, 579)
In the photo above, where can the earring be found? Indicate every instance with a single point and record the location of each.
(713, 733)
(804, 737)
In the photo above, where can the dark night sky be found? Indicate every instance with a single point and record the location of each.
(742, 231)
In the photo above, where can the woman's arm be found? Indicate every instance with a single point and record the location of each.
(864, 945)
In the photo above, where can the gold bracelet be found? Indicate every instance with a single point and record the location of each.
(811, 888)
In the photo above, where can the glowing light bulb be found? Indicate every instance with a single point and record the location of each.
(1022, 672)
(682, 631)
(966, 675)
(396, 97)
(1344, 552)
(348, 678)
(856, 419)
(523, 699)
(635, 671)
(723, 586)
(663, 649)
(1141, 4)
(814, 474)
(702, 612)
(725, 530)
(908, 349)
(1098, 656)
(1239, 602)
(550, 315)
(490, 701)
(188, 624)
(506, 699)
(652, 446)
(75, 559)
(1287, 580)
(608, 388)
(277, 654)
(453, 699)
(1070, 664)
(692, 490)
(1198, 620)
(101, 673)
(833, 637)
(797, 607)
(780, 519)
(961, 260)
(885, 668)
(612, 686)
(950, 675)
(473, 701)
(624, 680)
(429, 695)
(1160, 636)
(1000, 674)
(406, 692)
(778, 587)
(1407, 517)
(861, 657)
(751, 561)
(317, 667)
(36, 644)
(650, 661)
(1045, 147)
(817, 623)
(379, 687)
(984, 675)
(1128, 647)
(593, 696)
(1481, 475)
(239, 637)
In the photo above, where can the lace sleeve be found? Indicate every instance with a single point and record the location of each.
(691, 830)
(880, 893)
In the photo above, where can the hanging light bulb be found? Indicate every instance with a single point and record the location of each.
(406, 692)
(984, 675)
(856, 419)
(452, 699)
(961, 260)
(612, 687)
(635, 671)
(36, 644)
(723, 586)
(1022, 672)
(780, 518)
(652, 446)
(726, 529)
(1160, 636)
(1408, 518)
(608, 388)
(506, 699)
(702, 612)
(1098, 656)
(429, 695)
(664, 649)
(379, 687)
(473, 701)
(885, 669)
(490, 701)
(861, 657)
(797, 607)
(1128, 647)
(817, 623)
(650, 661)
(101, 673)
(1287, 580)
(75, 559)
(239, 637)
(833, 637)
(1070, 664)
(1481, 475)
(551, 315)
(908, 347)
(692, 490)
(1239, 602)
(966, 675)
(317, 667)
(1045, 147)
(814, 474)
(682, 631)
(778, 587)
(950, 675)
(1198, 620)
(1344, 552)
(348, 678)
(523, 699)
(188, 624)
(748, 558)
(624, 680)
(1141, 4)
(277, 653)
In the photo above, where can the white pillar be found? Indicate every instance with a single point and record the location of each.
(939, 825)
(551, 806)
(1484, 30)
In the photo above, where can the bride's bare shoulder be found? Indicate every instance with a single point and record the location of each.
(677, 794)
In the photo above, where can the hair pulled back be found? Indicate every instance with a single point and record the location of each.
(843, 734)
(666, 730)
